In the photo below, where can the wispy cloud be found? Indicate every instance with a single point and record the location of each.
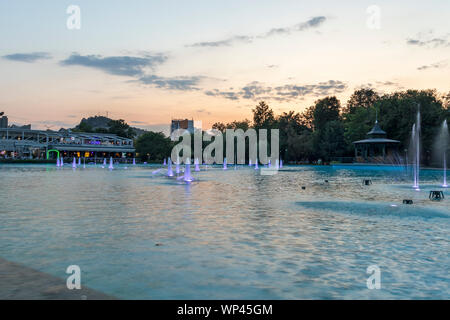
(28, 57)
(116, 65)
(182, 83)
(257, 91)
(140, 68)
(428, 40)
(314, 22)
(437, 65)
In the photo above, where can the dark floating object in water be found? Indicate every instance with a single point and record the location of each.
(326, 181)
(367, 182)
(436, 195)
(407, 201)
(303, 188)
(158, 244)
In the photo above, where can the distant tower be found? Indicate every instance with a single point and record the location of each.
(3, 121)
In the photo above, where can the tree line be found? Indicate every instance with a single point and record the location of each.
(327, 129)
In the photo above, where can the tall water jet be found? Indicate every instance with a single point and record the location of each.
(249, 162)
(84, 163)
(169, 168)
(79, 162)
(164, 162)
(281, 163)
(134, 161)
(441, 149)
(74, 163)
(104, 162)
(187, 171)
(57, 162)
(225, 164)
(415, 145)
(111, 166)
(197, 168)
(62, 162)
(177, 166)
(277, 165)
(256, 164)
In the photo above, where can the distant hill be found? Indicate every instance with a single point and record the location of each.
(100, 122)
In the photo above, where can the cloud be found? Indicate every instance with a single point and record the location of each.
(429, 41)
(381, 86)
(28, 57)
(257, 91)
(116, 65)
(139, 68)
(314, 22)
(183, 83)
(437, 65)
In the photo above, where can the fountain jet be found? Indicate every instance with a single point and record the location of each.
(225, 164)
(57, 162)
(442, 145)
(177, 166)
(415, 144)
(169, 168)
(134, 161)
(111, 166)
(74, 164)
(187, 172)
(197, 168)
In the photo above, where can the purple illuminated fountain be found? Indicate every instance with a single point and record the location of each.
(164, 164)
(281, 163)
(111, 166)
(187, 172)
(134, 161)
(74, 163)
(169, 168)
(62, 162)
(225, 164)
(256, 164)
(104, 162)
(197, 168)
(57, 162)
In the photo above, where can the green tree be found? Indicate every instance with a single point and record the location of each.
(153, 146)
(362, 98)
(263, 117)
(121, 128)
(325, 110)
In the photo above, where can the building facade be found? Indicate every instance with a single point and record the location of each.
(37, 144)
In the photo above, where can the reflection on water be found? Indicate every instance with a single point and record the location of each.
(229, 234)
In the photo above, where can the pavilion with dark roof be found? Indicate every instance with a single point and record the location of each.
(376, 148)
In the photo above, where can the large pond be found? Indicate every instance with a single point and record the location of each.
(235, 234)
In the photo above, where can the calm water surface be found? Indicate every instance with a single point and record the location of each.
(233, 234)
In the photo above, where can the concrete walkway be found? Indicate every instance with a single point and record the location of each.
(18, 282)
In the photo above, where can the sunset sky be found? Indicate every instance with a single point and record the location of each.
(150, 61)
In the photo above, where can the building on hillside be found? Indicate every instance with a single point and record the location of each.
(182, 124)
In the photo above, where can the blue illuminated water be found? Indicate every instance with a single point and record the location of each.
(231, 234)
